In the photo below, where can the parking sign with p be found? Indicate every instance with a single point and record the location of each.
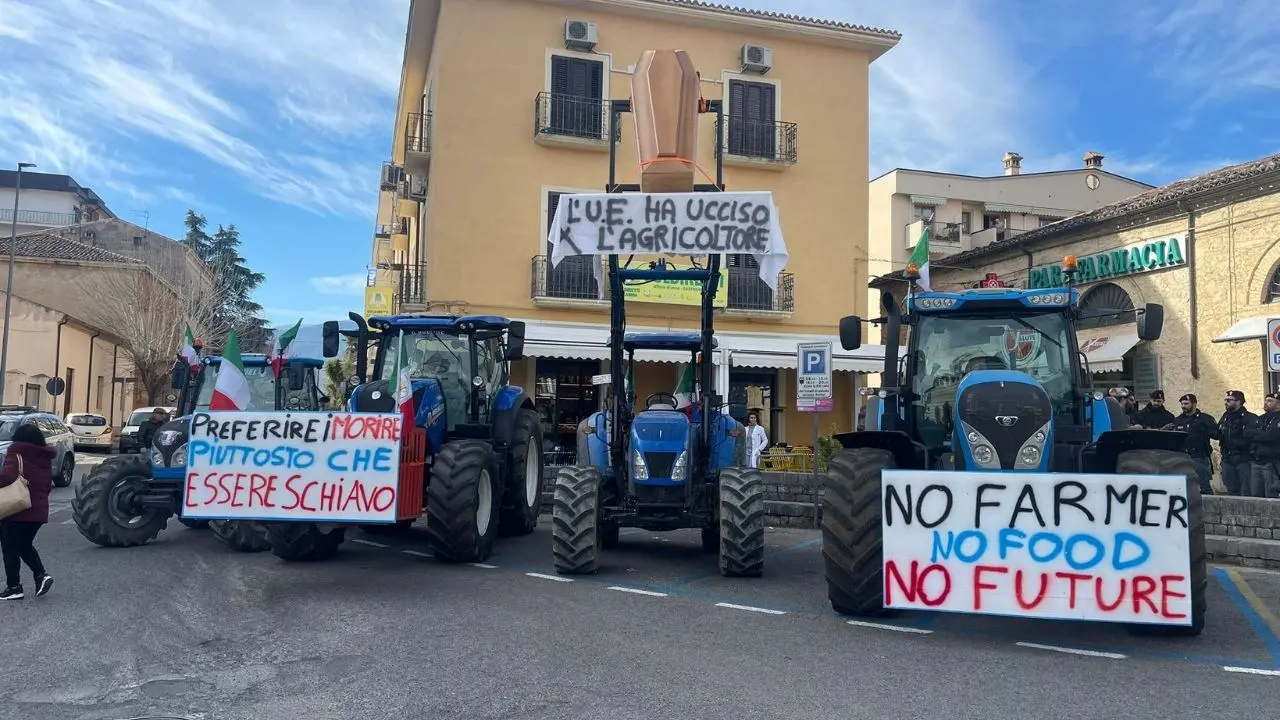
(813, 376)
(1273, 344)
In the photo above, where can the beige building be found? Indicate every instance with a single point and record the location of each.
(47, 200)
(487, 142)
(965, 212)
(178, 264)
(1206, 248)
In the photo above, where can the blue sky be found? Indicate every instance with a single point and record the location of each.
(275, 114)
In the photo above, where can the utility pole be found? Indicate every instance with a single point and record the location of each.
(8, 288)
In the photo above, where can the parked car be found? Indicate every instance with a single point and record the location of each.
(129, 434)
(90, 431)
(56, 434)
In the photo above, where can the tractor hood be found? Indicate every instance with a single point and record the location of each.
(1003, 422)
(169, 447)
(660, 431)
(376, 397)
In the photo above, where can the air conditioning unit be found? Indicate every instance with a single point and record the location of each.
(757, 58)
(417, 187)
(391, 175)
(580, 35)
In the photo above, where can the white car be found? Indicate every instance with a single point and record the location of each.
(90, 431)
(129, 433)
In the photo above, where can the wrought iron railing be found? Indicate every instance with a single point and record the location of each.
(413, 284)
(774, 141)
(572, 116)
(418, 133)
(36, 217)
(573, 279)
(748, 292)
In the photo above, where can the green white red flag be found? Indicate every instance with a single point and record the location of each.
(189, 353)
(402, 386)
(231, 392)
(281, 351)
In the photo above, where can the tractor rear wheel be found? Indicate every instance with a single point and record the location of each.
(1167, 462)
(240, 535)
(524, 481)
(104, 507)
(303, 541)
(852, 549)
(741, 522)
(576, 534)
(463, 502)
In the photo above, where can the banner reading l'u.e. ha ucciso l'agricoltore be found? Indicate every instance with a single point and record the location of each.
(1111, 548)
(308, 466)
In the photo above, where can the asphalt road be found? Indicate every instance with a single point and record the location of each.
(182, 628)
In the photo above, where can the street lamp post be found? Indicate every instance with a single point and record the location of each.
(8, 288)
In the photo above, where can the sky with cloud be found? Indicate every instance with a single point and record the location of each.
(276, 114)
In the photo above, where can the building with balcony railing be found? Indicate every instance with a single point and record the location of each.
(47, 201)
(487, 143)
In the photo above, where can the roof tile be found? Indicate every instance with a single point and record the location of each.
(786, 17)
(48, 246)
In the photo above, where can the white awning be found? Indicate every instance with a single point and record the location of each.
(927, 200)
(841, 361)
(1106, 347)
(1253, 328)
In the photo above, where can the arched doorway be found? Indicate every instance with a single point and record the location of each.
(1108, 336)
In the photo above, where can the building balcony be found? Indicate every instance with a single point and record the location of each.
(411, 290)
(944, 238)
(38, 218)
(573, 283)
(417, 143)
(759, 144)
(572, 121)
(990, 235)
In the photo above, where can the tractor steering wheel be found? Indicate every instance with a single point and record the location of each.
(660, 399)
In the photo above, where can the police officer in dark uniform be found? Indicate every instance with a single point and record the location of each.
(1200, 428)
(1266, 450)
(1155, 414)
(1235, 440)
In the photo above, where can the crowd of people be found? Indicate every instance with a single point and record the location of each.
(1248, 443)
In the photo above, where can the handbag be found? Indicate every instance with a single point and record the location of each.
(15, 497)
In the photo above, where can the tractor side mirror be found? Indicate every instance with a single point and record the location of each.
(515, 340)
(331, 338)
(851, 332)
(1150, 322)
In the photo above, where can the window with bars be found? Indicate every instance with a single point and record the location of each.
(753, 119)
(574, 277)
(746, 290)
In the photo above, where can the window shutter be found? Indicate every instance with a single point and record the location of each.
(560, 75)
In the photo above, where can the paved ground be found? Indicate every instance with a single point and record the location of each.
(182, 628)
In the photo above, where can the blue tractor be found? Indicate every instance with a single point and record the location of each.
(992, 381)
(128, 499)
(483, 470)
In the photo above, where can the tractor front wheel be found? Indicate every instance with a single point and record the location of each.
(105, 507)
(240, 535)
(524, 478)
(852, 549)
(741, 522)
(463, 502)
(303, 541)
(1167, 462)
(576, 535)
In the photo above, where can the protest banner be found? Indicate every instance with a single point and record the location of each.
(315, 466)
(1112, 548)
(673, 224)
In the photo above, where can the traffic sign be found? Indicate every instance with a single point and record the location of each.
(813, 377)
(1273, 344)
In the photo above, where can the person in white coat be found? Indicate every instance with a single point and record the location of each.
(757, 438)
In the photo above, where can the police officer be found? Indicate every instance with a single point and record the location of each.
(1266, 449)
(1235, 441)
(1155, 414)
(1200, 428)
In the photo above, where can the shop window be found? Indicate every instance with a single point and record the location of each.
(743, 388)
(32, 397)
(1273, 287)
(564, 396)
(1110, 297)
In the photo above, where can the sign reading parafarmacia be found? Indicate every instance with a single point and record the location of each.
(314, 466)
(1112, 548)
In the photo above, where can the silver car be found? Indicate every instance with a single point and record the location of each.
(56, 435)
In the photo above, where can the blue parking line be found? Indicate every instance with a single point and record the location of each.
(1256, 622)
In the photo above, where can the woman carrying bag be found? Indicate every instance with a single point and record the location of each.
(26, 479)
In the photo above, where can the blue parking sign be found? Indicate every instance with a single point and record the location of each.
(813, 371)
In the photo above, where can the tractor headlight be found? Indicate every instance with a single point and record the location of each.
(1032, 451)
(680, 470)
(983, 454)
(981, 451)
(179, 456)
(639, 470)
(157, 459)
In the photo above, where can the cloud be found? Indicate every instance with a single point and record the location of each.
(283, 317)
(352, 285)
(290, 97)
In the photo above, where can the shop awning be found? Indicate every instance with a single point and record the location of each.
(580, 342)
(1252, 328)
(1106, 347)
(841, 361)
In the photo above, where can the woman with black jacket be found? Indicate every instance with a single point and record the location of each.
(18, 531)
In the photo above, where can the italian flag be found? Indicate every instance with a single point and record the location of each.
(231, 392)
(920, 258)
(402, 386)
(281, 351)
(189, 350)
(685, 389)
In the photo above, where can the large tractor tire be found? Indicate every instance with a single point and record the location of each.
(240, 535)
(524, 488)
(576, 535)
(194, 524)
(101, 506)
(303, 541)
(1167, 462)
(741, 522)
(852, 549)
(463, 502)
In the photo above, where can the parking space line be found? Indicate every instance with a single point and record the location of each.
(370, 543)
(1254, 609)
(1250, 671)
(482, 565)
(416, 553)
(542, 576)
(895, 628)
(637, 591)
(1259, 605)
(751, 608)
(1073, 651)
